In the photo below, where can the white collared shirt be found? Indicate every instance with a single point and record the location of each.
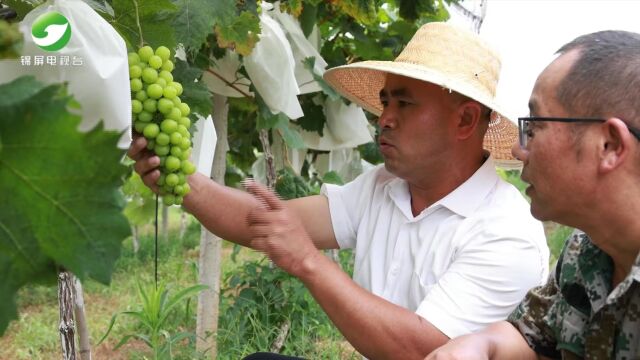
(462, 263)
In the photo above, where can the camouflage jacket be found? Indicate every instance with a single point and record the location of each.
(577, 314)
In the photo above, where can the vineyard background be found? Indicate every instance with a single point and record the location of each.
(258, 135)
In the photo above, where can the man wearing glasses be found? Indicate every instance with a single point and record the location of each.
(581, 155)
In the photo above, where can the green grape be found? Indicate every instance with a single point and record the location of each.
(162, 158)
(186, 154)
(154, 91)
(141, 95)
(160, 181)
(178, 200)
(183, 131)
(150, 105)
(163, 139)
(184, 109)
(178, 87)
(176, 151)
(145, 116)
(136, 85)
(172, 180)
(175, 114)
(164, 53)
(133, 59)
(181, 178)
(139, 126)
(136, 106)
(170, 93)
(162, 150)
(151, 131)
(165, 106)
(186, 144)
(169, 199)
(162, 82)
(151, 144)
(172, 164)
(176, 138)
(184, 121)
(188, 168)
(178, 189)
(149, 75)
(167, 66)
(186, 188)
(155, 62)
(145, 53)
(176, 100)
(166, 75)
(169, 126)
(135, 71)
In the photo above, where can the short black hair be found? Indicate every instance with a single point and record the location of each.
(605, 79)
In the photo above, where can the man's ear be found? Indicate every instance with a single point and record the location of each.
(615, 144)
(469, 115)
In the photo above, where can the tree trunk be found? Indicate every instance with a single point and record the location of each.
(268, 158)
(211, 245)
(81, 321)
(66, 327)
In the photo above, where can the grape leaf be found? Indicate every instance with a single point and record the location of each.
(195, 94)
(197, 18)
(363, 11)
(59, 190)
(332, 177)
(309, 64)
(314, 118)
(156, 22)
(239, 32)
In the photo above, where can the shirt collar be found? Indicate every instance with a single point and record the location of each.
(467, 197)
(463, 200)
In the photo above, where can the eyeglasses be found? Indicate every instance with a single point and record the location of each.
(524, 126)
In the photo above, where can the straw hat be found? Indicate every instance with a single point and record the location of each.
(441, 54)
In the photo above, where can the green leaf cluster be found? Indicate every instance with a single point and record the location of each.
(59, 189)
(291, 186)
(10, 40)
(195, 92)
(148, 22)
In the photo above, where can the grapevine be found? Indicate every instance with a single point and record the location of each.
(162, 118)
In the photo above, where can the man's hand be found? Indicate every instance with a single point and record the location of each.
(146, 161)
(498, 341)
(278, 232)
(468, 347)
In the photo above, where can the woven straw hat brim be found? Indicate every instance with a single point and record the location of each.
(361, 83)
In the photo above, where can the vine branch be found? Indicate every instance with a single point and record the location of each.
(228, 83)
(135, 4)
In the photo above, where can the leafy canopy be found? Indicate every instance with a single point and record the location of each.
(59, 190)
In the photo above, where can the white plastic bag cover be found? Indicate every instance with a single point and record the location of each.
(345, 162)
(346, 127)
(227, 67)
(302, 49)
(271, 68)
(99, 80)
(204, 145)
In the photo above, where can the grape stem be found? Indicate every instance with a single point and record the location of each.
(228, 83)
(135, 4)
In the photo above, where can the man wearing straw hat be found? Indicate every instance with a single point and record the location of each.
(581, 152)
(442, 245)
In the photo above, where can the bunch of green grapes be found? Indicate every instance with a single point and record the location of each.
(160, 115)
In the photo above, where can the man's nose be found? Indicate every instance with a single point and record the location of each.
(387, 119)
(519, 152)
